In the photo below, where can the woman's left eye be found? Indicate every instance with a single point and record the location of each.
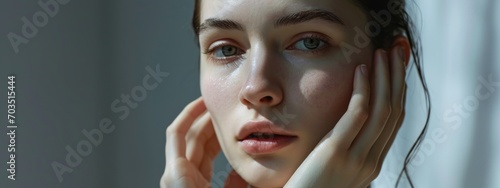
(310, 44)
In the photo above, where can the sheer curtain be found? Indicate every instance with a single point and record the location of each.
(460, 41)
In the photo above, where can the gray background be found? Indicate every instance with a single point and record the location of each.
(68, 75)
(93, 51)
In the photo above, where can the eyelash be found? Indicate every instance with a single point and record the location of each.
(317, 37)
(224, 60)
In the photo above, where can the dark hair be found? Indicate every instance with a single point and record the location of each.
(399, 23)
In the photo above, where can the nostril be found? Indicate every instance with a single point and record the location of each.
(246, 102)
(266, 99)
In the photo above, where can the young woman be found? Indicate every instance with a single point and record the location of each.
(296, 93)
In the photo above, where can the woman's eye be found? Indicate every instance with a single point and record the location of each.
(226, 51)
(309, 44)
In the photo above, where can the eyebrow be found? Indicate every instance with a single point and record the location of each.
(219, 23)
(292, 19)
(308, 15)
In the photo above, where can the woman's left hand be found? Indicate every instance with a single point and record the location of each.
(351, 154)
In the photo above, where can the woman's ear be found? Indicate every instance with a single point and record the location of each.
(401, 41)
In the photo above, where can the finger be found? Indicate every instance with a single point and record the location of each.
(181, 173)
(396, 129)
(176, 132)
(397, 95)
(196, 138)
(211, 150)
(380, 108)
(386, 150)
(351, 122)
(383, 143)
(235, 180)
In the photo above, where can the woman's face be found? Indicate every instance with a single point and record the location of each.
(280, 61)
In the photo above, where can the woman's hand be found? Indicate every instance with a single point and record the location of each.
(190, 149)
(351, 155)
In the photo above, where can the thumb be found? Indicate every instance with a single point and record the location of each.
(234, 180)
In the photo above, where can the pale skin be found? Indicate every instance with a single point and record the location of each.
(346, 119)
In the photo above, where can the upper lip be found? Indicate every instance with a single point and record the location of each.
(261, 127)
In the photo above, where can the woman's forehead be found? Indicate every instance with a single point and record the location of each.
(264, 11)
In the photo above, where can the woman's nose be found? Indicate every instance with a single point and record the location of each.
(263, 85)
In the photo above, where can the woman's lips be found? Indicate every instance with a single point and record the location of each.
(265, 144)
(263, 137)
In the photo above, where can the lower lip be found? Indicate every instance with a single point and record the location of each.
(266, 145)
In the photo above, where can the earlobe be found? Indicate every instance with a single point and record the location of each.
(401, 41)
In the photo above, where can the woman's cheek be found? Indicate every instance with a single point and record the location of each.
(213, 92)
(328, 93)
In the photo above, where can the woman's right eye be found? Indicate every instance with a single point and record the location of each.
(226, 51)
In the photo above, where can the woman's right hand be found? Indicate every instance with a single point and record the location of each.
(190, 149)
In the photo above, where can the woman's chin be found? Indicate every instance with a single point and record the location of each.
(265, 173)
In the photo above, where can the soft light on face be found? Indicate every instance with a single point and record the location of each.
(264, 60)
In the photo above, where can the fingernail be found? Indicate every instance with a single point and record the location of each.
(383, 55)
(364, 70)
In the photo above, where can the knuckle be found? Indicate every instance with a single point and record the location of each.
(198, 137)
(371, 166)
(396, 110)
(371, 170)
(337, 157)
(171, 130)
(338, 153)
(363, 175)
(402, 114)
(191, 113)
(359, 161)
(377, 171)
(187, 111)
(179, 171)
(386, 110)
(189, 106)
(374, 175)
(360, 113)
(168, 131)
(190, 135)
(164, 180)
